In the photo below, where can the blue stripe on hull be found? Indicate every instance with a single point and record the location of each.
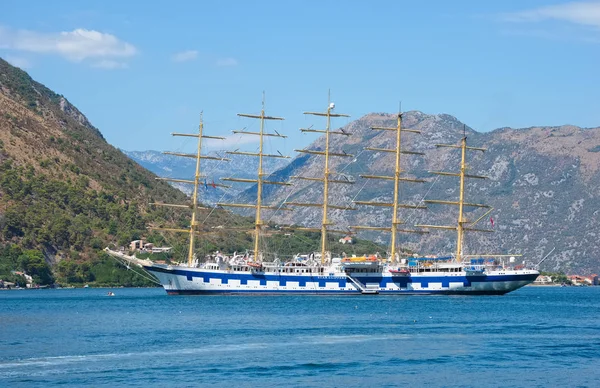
(334, 292)
(244, 278)
(383, 281)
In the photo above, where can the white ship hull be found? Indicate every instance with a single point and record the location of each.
(185, 280)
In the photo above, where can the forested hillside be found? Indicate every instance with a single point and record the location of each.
(65, 193)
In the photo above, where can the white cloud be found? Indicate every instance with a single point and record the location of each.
(226, 62)
(184, 56)
(77, 45)
(581, 13)
(110, 64)
(23, 63)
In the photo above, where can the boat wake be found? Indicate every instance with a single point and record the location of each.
(227, 348)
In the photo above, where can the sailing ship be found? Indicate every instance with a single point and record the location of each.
(321, 272)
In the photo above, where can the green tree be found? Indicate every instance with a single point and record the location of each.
(33, 263)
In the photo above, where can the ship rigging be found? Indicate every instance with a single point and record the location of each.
(222, 274)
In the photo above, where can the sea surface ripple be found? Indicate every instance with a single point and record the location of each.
(534, 337)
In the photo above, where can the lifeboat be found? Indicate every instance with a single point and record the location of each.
(400, 271)
(360, 262)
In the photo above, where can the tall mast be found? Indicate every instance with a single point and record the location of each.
(397, 179)
(396, 187)
(258, 223)
(327, 173)
(195, 194)
(192, 231)
(461, 200)
(259, 184)
(325, 221)
(462, 175)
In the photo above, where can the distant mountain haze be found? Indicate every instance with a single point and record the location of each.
(238, 166)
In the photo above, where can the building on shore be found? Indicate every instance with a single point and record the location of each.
(146, 247)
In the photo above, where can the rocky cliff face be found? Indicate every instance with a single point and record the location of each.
(544, 186)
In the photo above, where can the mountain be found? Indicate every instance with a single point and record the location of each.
(238, 166)
(65, 193)
(544, 185)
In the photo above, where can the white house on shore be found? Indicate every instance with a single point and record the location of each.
(543, 279)
(346, 240)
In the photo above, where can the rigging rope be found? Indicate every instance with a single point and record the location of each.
(128, 266)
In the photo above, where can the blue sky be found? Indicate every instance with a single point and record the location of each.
(142, 69)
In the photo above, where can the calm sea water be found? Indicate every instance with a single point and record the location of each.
(534, 337)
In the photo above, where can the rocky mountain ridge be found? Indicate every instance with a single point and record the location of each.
(544, 186)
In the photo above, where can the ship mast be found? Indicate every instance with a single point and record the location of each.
(462, 223)
(258, 223)
(397, 179)
(192, 231)
(326, 179)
